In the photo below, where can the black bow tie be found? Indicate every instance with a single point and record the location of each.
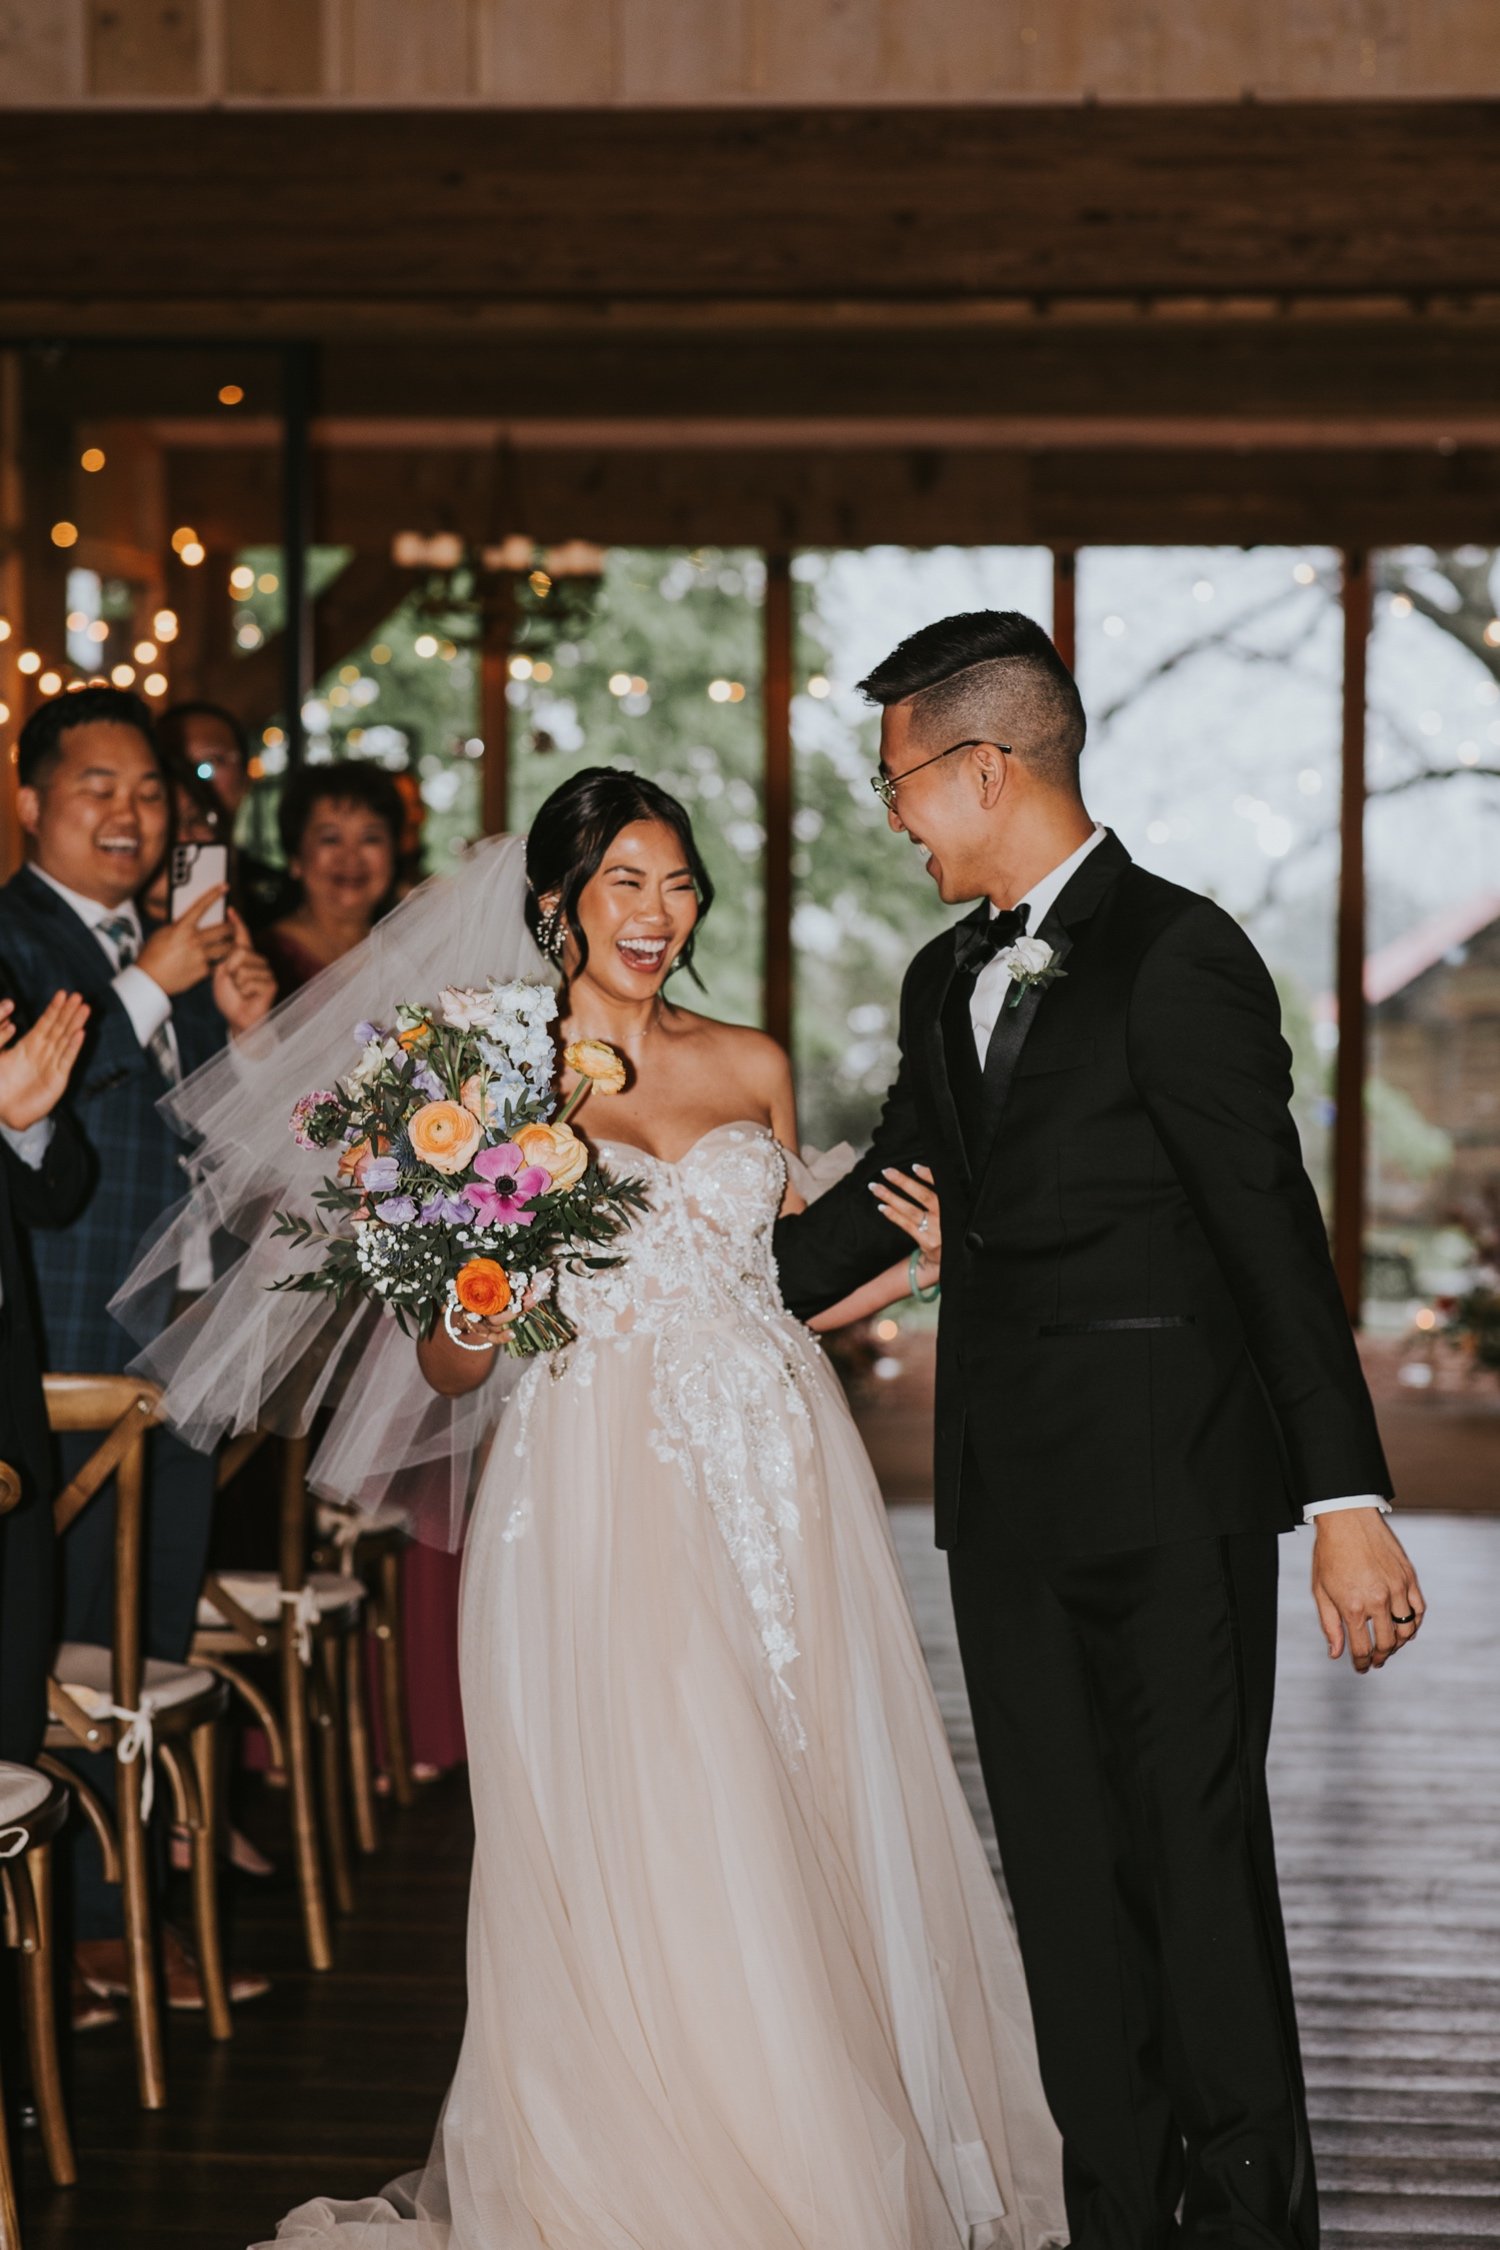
(975, 944)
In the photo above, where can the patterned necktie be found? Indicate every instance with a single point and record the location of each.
(975, 944)
(161, 1047)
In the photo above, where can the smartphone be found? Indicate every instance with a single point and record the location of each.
(197, 868)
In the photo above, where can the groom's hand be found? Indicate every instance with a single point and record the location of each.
(1365, 1587)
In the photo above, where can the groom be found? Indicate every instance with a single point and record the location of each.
(1145, 1373)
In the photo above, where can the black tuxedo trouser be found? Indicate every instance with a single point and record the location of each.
(178, 1520)
(1122, 1705)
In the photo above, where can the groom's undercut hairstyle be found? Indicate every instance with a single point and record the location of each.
(990, 675)
(567, 842)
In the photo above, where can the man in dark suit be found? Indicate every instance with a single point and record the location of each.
(44, 1177)
(1145, 1373)
(95, 808)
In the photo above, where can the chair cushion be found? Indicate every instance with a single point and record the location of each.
(259, 1592)
(22, 1791)
(358, 1523)
(84, 1671)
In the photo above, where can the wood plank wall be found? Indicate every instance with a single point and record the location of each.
(646, 52)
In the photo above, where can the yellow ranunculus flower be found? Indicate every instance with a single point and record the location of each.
(598, 1063)
(556, 1150)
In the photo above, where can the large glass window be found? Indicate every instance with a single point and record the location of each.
(864, 902)
(1432, 975)
(1212, 677)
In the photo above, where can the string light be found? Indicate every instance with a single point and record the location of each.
(425, 644)
(1304, 573)
(183, 536)
(268, 582)
(348, 673)
(50, 683)
(123, 675)
(231, 394)
(541, 670)
(4, 628)
(520, 667)
(380, 654)
(92, 459)
(718, 691)
(78, 621)
(145, 652)
(155, 683)
(193, 553)
(272, 737)
(818, 686)
(241, 579)
(28, 662)
(65, 534)
(1492, 633)
(99, 630)
(619, 683)
(164, 624)
(76, 687)
(540, 583)
(5, 710)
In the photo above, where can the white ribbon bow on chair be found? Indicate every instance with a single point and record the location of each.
(304, 1608)
(138, 1741)
(13, 1842)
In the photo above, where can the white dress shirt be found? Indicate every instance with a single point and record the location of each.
(150, 1013)
(988, 998)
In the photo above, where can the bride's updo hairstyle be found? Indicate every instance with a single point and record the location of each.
(573, 831)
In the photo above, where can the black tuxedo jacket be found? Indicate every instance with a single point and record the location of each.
(1141, 1337)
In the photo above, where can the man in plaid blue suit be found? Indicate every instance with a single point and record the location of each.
(97, 811)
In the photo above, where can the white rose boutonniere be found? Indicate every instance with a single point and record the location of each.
(1032, 963)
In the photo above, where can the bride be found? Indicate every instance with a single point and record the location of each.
(739, 1976)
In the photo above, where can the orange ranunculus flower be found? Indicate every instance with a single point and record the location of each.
(444, 1135)
(596, 1060)
(557, 1150)
(483, 1287)
(355, 1154)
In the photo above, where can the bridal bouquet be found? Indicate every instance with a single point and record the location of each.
(459, 1184)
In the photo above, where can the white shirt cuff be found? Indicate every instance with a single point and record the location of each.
(1355, 1500)
(143, 1000)
(32, 1144)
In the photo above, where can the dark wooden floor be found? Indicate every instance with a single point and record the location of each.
(1388, 1798)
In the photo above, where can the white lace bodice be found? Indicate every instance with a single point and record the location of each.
(703, 1251)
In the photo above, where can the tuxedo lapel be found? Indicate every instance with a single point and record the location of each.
(938, 1010)
(1092, 883)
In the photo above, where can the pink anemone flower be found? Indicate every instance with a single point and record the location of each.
(505, 1186)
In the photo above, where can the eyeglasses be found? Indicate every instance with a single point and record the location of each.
(885, 785)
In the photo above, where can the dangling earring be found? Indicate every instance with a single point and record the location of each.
(551, 937)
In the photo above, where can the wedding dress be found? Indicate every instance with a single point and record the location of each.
(739, 1976)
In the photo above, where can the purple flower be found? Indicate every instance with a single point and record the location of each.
(309, 1128)
(441, 1209)
(429, 1083)
(376, 1174)
(365, 1032)
(397, 1210)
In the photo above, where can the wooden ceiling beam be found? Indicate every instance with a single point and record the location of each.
(329, 218)
(916, 496)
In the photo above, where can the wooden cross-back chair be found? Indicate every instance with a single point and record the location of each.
(309, 1622)
(114, 1702)
(369, 1546)
(32, 1809)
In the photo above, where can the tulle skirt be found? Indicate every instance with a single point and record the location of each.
(739, 1977)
